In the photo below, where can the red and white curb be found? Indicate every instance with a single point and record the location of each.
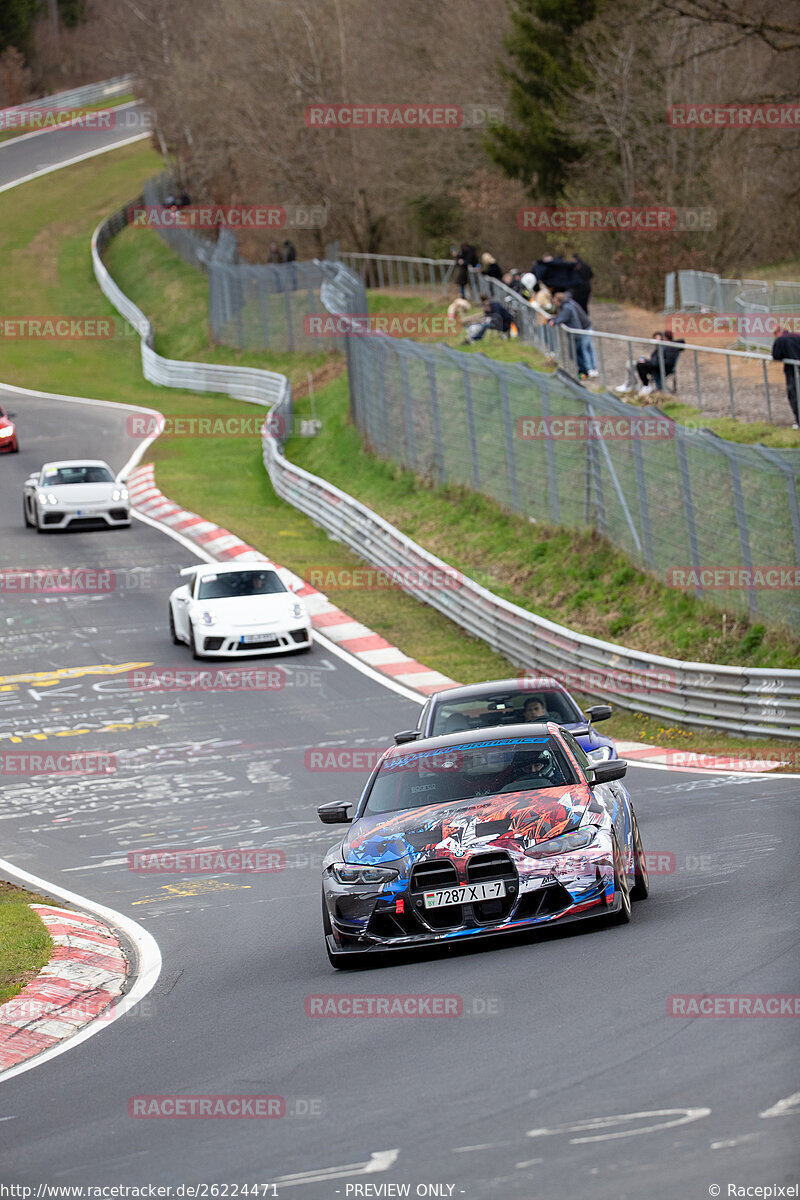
(86, 972)
(373, 650)
(349, 635)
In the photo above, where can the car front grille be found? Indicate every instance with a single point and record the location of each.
(270, 644)
(300, 635)
(213, 643)
(493, 864)
(118, 514)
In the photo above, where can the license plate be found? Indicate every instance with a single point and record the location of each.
(470, 893)
(247, 638)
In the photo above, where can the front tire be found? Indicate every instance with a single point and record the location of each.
(623, 914)
(26, 518)
(641, 878)
(176, 641)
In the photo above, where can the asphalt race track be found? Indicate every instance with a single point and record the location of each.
(24, 155)
(564, 1077)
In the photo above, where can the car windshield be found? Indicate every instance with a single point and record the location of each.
(239, 583)
(466, 772)
(60, 476)
(505, 708)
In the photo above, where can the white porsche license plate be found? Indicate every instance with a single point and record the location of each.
(470, 893)
(247, 638)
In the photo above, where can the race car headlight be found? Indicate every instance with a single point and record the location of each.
(600, 754)
(48, 498)
(6, 430)
(578, 840)
(297, 611)
(345, 873)
(208, 617)
(119, 493)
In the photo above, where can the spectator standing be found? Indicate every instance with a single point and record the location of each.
(581, 286)
(787, 346)
(465, 258)
(571, 314)
(289, 252)
(274, 255)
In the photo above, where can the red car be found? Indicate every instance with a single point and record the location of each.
(8, 434)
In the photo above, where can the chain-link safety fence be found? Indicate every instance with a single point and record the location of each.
(683, 503)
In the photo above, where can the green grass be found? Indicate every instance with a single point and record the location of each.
(780, 436)
(570, 576)
(25, 944)
(114, 102)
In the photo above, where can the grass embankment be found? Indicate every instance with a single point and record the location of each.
(112, 102)
(25, 944)
(570, 576)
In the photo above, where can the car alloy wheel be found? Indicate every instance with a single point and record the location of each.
(175, 639)
(623, 914)
(641, 879)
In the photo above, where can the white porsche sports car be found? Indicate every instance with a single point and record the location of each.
(229, 609)
(75, 494)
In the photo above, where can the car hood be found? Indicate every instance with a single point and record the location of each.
(507, 821)
(81, 493)
(251, 610)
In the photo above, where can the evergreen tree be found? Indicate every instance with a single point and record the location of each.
(534, 148)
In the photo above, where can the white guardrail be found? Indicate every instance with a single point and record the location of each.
(90, 93)
(746, 700)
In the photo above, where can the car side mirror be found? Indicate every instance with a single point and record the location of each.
(606, 772)
(580, 731)
(406, 735)
(334, 813)
(32, 478)
(599, 712)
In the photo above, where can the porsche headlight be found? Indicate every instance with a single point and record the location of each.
(601, 754)
(297, 611)
(578, 840)
(345, 873)
(48, 498)
(208, 617)
(119, 493)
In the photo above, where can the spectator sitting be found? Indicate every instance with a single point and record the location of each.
(496, 317)
(570, 313)
(489, 266)
(659, 366)
(787, 346)
(513, 280)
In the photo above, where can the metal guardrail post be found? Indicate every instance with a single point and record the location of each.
(741, 522)
(688, 502)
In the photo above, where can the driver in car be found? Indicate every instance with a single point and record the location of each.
(534, 709)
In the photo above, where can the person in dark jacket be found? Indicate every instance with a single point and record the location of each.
(650, 370)
(787, 346)
(496, 316)
(570, 313)
(289, 252)
(489, 266)
(557, 274)
(465, 257)
(581, 286)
